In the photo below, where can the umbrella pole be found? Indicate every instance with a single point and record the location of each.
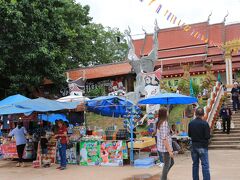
(131, 131)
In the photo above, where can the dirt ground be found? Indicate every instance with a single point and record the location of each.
(224, 165)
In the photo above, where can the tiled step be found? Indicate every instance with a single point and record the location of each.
(234, 129)
(224, 147)
(225, 142)
(231, 132)
(227, 138)
(227, 135)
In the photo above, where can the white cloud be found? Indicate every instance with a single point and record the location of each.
(133, 13)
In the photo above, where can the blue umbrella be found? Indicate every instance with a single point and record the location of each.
(13, 99)
(52, 117)
(112, 106)
(169, 98)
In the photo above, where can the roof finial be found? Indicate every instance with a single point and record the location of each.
(225, 17)
(209, 16)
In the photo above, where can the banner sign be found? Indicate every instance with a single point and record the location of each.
(9, 151)
(89, 153)
(111, 153)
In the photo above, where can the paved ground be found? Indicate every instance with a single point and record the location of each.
(225, 165)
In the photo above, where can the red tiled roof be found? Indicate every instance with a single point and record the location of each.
(175, 47)
(101, 71)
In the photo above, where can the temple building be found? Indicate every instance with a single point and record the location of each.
(177, 47)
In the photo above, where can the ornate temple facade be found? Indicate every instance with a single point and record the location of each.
(177, 48)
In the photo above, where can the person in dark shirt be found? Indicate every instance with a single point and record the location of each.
(226, 114)
(62, 137)
(235, 95)
(199, 132)
(44, 143)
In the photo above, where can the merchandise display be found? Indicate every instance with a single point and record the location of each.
(51, 153)
(77, 133)
(91, 138)
(71, 154)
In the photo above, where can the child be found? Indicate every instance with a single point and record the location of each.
(219, 125)
(44, 143)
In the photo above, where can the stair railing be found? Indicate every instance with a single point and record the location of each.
(213, 104)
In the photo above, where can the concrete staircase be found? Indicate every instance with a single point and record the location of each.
(222, 140)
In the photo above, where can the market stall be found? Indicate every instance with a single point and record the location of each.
(24, 109)
(116, 106)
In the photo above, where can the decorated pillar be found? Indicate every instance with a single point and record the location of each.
(228, 63)
(230, 47)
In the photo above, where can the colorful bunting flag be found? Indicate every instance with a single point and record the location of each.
(172, 19)
(195, 35)
(159, 8)
(166, 13)
(186, 28)
(179, 22)
(152, 1)
(170, 14)
(193, 31)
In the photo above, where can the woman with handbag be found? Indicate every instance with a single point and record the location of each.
(63, 140)
(164, 141)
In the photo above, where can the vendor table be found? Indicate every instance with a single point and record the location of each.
(181, 137)
(183, 141)
(142, 143)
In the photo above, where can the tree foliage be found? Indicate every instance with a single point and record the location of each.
(98, 91)
(108, 45)
(43, 38)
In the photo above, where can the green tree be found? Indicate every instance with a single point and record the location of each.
(37, 37)
(107, 45)
(196, 88)
(98, 91)
(43, 38)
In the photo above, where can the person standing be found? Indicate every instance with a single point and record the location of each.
(20, 135)
(226, 114)
(161, 164)
(199, 132)
(61, 135)
(164, 142)
(235, 95)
